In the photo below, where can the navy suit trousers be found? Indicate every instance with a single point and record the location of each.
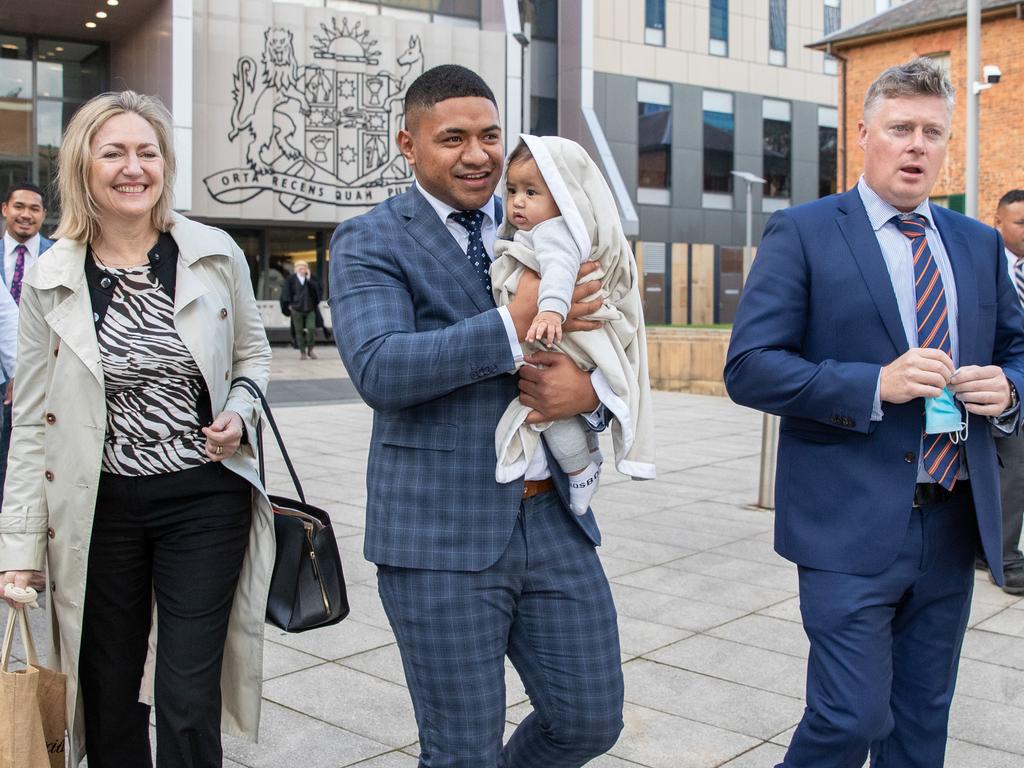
(885, 649)
(545, 603)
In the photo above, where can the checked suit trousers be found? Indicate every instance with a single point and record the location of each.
(545, 603)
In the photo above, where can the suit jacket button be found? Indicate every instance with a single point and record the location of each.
(910, 457)
(55, 351)
(53, 586)
(51, 419)
(48, 475)
(223, 313)
(51, 533)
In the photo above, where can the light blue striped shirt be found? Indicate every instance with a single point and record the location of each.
(898, 253)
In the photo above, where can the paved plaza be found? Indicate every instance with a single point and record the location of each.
(712, 648)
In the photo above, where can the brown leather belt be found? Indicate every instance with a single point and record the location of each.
(533, 488)
(933, 493)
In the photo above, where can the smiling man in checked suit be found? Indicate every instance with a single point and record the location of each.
(470, 570)
(859, 309)
(23, 214)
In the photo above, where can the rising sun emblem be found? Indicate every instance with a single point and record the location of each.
(346, 43)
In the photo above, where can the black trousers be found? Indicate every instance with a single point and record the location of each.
(179, 538)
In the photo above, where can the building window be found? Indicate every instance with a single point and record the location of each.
(654, 21)
(718, 44)
(832, 24)
(828, 122)
(543, 116)
(654, 137)
(777, 32)
(42, 83)
(778, 154)
(941, 58)
(544, 20)
(719, 148)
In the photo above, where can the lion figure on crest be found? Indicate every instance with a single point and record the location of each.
(281, 76)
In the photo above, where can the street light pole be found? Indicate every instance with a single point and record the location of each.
(769, 423)
(973, 57)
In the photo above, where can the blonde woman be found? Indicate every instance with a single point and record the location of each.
(130, 476)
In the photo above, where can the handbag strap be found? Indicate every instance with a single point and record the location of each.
(17, 615)
(254, 389)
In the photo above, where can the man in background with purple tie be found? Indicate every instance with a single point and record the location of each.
(23, 214)
(1009, 221)
(887, 334)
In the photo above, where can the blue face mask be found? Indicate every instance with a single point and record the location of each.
(942, 414)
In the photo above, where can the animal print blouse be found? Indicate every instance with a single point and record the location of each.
(153, 384)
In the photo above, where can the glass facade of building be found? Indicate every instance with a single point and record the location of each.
(42, 82)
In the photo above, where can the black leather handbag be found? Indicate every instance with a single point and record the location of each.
(307, 588)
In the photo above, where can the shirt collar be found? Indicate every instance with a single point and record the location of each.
(881, 212)
(443, 210)
(31, 245)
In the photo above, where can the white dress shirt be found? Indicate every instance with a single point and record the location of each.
(8, 333)
(10, 244)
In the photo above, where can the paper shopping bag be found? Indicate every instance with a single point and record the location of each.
(31, 706)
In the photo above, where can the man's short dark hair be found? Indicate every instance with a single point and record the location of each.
(1011, 197)
(27, 185)
(448, 81)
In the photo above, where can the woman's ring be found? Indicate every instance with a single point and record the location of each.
(219, 450)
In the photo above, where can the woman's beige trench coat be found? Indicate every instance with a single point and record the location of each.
(57, 445)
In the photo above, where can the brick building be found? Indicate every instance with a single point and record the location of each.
(937, 28)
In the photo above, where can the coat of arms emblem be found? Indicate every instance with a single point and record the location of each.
(321, 132)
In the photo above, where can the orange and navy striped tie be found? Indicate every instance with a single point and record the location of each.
(941, 454)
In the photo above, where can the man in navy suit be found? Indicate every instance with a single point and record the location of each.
(470, 571)
(23, 214)
(861, 308)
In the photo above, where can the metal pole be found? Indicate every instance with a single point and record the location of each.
(973, 57)
(747, 258)
(769, 449)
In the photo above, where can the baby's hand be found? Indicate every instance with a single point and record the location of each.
(546, 327)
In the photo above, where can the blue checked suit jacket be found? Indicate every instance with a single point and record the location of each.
(817, 320)
(427, 350)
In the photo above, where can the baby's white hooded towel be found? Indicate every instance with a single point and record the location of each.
(619, 348)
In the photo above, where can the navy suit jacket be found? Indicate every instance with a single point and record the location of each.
(816, 321)
(427, 350)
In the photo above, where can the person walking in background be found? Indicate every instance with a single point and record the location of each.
(131, 478)
(870, 321)
(23, 214)
(1009, 220)
(300, 299)
(468, 569)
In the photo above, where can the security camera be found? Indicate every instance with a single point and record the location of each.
(992, 73)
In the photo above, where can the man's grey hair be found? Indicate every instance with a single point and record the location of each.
(920, 76)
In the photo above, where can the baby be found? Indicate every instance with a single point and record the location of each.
(560, 213)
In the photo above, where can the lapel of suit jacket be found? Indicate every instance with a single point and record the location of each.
(426, 228)
(959, 254)
(860, 237)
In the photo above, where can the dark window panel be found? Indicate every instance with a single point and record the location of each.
(778, 156)
(719, 20)
(543, 116)
(655, 146)
(719, 146)
(832, 18)
(66, 70)
(545, 19)
(827, 157)
(777, 25)
(654, 14)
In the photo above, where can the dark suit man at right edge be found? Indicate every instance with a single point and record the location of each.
(887, 334)
(1010, 223)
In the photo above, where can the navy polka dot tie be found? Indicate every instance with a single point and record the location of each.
(472, 221)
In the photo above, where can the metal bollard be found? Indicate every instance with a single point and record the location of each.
(769, 449)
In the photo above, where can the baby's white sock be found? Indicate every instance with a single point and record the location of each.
(582, 488)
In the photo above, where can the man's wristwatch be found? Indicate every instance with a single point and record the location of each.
(1013, 396)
